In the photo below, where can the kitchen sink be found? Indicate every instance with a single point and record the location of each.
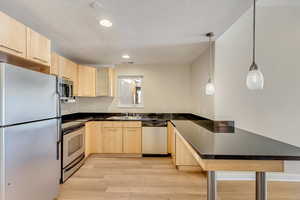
(125, 118)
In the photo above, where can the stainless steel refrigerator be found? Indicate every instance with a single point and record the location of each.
(30, 134)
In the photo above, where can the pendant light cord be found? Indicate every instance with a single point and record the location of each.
(254, 29)
(209, 75)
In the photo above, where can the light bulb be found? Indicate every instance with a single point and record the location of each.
(210, 88)
(255, 80)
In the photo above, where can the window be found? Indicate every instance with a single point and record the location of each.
(130, 91)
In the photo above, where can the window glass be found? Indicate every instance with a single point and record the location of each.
(130, 91)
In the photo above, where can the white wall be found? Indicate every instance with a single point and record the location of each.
(201, 104)
(166, 88)
(274, 111)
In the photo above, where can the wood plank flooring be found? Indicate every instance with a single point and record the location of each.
(156, 179)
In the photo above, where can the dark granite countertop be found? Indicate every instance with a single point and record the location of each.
(239, 144)
(130, 117)
(211, 139)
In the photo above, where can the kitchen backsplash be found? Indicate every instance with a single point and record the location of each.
(108, 104)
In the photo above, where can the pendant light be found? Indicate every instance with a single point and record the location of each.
(210, 87)
(255, 79)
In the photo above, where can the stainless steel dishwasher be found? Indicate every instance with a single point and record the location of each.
(154, 138)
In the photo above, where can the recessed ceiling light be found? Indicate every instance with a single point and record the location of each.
(105, 23)
(125, 56)
(96, 5)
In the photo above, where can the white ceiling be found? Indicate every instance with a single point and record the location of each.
(150, 31)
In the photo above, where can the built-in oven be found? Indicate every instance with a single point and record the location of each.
(66, 89)
(73, 148)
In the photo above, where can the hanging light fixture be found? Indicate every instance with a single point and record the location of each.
(255, 79)
(210, 87)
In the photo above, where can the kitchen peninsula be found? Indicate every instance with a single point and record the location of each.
(215, 146)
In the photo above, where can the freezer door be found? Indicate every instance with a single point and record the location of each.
(32, 170)
(26, 95)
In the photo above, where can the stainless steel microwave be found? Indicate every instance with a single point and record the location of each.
(66, 88)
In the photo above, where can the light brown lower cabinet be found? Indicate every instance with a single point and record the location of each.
(172, 142)
(132, 140)
(113, 137)
(111, 140)
(183, 156)
(92, 136)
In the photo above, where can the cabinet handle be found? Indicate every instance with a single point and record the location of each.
(131, 130)
(6, 47)
(39, 59)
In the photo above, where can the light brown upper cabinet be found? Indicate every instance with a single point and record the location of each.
(12, 36)
(38, 47)
(86, 81)
(74, 76)
(69, 70)
(54, 67)
(93, 82)
(105, 81)
(65, 68)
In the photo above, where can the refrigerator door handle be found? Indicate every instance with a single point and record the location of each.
(59, 131)
(58, 111)
(58, 151)
(59, 138)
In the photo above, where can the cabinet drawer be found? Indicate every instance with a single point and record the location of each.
(132, 124)
(112, 124)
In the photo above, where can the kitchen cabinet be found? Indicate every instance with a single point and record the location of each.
(73, 75)
(38, 48)
(86, 81)
(93, 82)
(105, 81)
(132, 140)
(54, 67)
(92, 137)
(112, 140)
(172, 141)
(12, 36)
(65, 68)
(183, 156)
(114, 137)
(110, 124)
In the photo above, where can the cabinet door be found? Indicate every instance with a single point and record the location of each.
(172, 141)
(54, 67)
(105, 82)
(65, 70)
(132, 140)
(38, 47)
(92, 137)
(12, 36)
(74, 76)
(183, 155)
(112, 140)
(86, 81)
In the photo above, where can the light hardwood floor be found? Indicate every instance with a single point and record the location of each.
(156, 179)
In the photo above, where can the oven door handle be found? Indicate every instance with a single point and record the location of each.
(71, 167)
